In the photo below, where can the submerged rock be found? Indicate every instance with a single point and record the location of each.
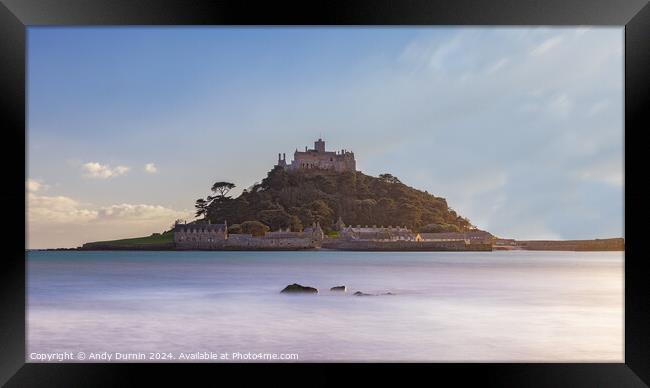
(359, 293)
(339, 288)
(297, 288)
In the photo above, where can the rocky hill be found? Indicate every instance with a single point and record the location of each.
(296, 199)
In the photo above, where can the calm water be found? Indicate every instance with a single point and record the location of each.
(489, 306)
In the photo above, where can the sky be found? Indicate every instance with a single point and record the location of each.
(520, 129)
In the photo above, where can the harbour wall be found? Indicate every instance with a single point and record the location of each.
(404, 246)
(609, 244)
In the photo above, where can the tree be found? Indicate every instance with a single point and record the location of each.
(234, 229)
(298, 198)
(322, 213)
(304, 215)
(222, 188)
(201, 207)
(177, 222)
(409, 214)
(275, 218)
(254, 188)
(388, 178)
(216, 207)
(439, 228)
(385, 208)
(296, 225)
(255, 228)
(276, 179)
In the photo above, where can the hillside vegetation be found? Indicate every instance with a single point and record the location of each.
(156, 240)
(296, 199)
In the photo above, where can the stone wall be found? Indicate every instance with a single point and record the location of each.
(249, 242)
(610, 244)
(246, 242)
(200, 244)
(403, 245)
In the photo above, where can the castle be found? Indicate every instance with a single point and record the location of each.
(318, 158)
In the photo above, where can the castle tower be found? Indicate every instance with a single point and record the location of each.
(319, 145)
(282, 160)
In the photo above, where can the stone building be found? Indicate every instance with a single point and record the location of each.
(216, 236)
(375, 233)
(319, 158)
(200, 236)
(315, 232)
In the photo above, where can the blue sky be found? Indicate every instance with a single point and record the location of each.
(521, 129)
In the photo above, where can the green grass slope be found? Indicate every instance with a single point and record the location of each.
(159, 241)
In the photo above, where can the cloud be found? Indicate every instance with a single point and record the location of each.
(103, 171)
(57, 210)
(139, 213)
(609, 172)
(546, 45)
(33, 185)
(62, 221)
(150, 168)
(497, 65)
(598, 108)
(546, 134)
(444, 53)
(560, 105)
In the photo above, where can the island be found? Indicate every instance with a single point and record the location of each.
(320, 201)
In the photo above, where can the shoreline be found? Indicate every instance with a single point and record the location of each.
(154, 249)
(594, 245)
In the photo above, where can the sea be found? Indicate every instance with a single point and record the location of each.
(217, 306)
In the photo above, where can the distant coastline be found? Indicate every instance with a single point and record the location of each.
(594, 245)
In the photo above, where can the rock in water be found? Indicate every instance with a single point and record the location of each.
(338, 288)
(359, 293)
(297, 288)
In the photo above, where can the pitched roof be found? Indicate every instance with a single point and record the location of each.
(197, 227)
(397, 229)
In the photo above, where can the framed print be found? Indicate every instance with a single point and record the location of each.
(397, 190)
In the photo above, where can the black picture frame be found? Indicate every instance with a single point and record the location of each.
(17, 15)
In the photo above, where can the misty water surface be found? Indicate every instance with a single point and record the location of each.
(488, 306)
